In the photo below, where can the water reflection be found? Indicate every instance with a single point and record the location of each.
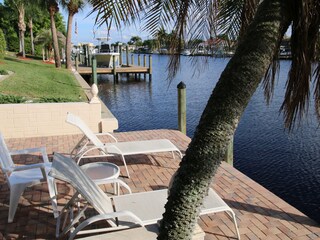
(287, 164)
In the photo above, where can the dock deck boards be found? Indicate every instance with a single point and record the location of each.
(104, 70)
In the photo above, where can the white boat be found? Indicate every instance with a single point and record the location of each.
(105, 54)
(186, 52)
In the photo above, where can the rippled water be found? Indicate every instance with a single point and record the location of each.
(286, 164)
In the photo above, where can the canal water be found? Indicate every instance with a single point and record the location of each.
(288, 164)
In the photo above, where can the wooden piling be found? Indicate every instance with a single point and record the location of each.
(77, 61)
(94, 70)
(114, 69)
(150, 67)
(127, 55)
(139, 64)
(229, 153)
(120, 55)
(132, 60)
(182, 108)
(144, 64)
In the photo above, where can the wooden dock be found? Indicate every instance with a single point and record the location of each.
(121, 69)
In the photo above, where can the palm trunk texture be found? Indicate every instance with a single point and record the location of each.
(68, 41)
(57, 58)
(31, 35)
(217, 125)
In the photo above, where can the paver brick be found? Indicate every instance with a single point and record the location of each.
(260, 213)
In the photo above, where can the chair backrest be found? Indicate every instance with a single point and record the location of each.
(67, 170)
(6, 162)
(76, 121)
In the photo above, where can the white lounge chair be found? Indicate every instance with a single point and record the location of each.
(121, 212)
(91, 142)
(22, 176)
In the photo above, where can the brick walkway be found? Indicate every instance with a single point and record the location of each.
(261, 214)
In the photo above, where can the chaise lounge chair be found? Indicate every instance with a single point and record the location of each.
(121, 212)
(23, 176)
(91, 142)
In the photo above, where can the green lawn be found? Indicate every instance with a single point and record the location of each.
(34, 80)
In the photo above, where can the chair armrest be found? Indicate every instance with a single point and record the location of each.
(106, 134)
(119, 181)
(42, 167)
(105, 217)
(42, 150)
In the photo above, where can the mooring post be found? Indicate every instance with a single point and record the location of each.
(127, 55)
(150, 67)
(94, 70)
(132, 59)
(139, 63)
(144, 65)
(114, 68)
(229, 153)
(182, 108)
(120, 54)
(77, 61)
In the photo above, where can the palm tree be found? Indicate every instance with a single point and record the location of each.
(19, 6)
(52, 7)
(73, 7)
(44, 38)
(31, 12)
(253, 60)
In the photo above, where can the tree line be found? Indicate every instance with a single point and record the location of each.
(27, 22)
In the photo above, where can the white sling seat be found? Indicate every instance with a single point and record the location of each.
(123, 211)
(22, 176)
(90, 142)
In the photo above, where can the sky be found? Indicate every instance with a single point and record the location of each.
(86, 28)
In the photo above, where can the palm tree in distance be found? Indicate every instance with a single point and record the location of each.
(44, 38)
(254, 59)
(52, 7)
(19, 6)
(73, 7)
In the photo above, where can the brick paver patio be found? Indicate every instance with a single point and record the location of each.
(260, 214)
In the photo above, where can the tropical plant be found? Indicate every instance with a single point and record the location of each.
(44, 38)
(19, 6)
(253, 60)
(135, 40)
(73, 7)
(2, 44)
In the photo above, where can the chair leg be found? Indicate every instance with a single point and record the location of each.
(232, 215)
(15, 194)
(52, 187)
(125, 165)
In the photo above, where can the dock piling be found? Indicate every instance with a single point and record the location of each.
(114, 69)
(150, 67)
(132, 60)
(94, 70)
(144, 65)
(127, 55)
(77, 61)
(182, 108)
(229, 153)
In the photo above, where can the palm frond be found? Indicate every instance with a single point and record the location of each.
(305, 32)
(120, 12)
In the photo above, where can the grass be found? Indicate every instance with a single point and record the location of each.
(35, 80)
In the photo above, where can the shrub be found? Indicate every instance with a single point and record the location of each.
(55, 100)
(11, 99)
(2, 44)
(3, 72)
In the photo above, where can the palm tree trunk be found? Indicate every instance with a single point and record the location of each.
(22, 28)
(237, 84)
(68, 41)
(52, 10)
(30, 24)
